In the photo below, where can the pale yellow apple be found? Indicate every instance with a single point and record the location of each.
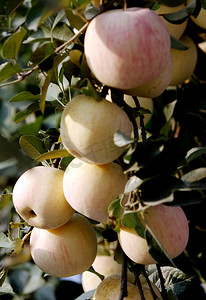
(39, 199)
(200, 20)
(176, 30)
(109, 289)
(90, 188)
(170, 226)
(104, 265)
(184, 61)
(202, 46)
(88, 127)
(66, 251)
(127, 48)
(155, 87)
(146, 103)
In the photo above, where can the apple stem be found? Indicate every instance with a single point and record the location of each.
(162, 282)
(143, 131)
(123, 289)
(125, 5)
(140, 287)
(149, 284)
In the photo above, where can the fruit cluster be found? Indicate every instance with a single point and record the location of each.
(58, 203)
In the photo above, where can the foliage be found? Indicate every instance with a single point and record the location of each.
(42, 66)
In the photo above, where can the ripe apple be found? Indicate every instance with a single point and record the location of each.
(88, 127)
(175, 30)
(127, 48)
(147, 103)
(90, 188)
(39, 199)
(65, 251)
(109, 289)
(104, 265)
(184, 61)
(169, 225)
(155, 87)
(200, 20)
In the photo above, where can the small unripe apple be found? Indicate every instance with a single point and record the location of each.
(184, 61)
(200, 20)
(109, 289)
(170, 226)
(155, 87)
(127, 48)
(175, 30)
(90, 188)
(39, 199)
(88, 127)
(65, 251)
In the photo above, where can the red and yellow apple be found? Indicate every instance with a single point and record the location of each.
(90, 188)
(109, 289)
(169, 225)
(65, 251)
(127, 48)
(88, 127)
(155, 87)
(39, 199)
(184, 61)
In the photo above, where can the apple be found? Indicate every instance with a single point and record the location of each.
(155, 87)
(109, 289)
(88, 127)
(127, 48)
(170, 226)
(90, 188)
(146, 103)
(65, 251)
(104, 265)
(39, 199)
(200, 20)
(184, 61)
(175, 30)
(202, 46)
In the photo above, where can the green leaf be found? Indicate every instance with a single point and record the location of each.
(177, 44)
(133, 183)
(20, 116)
(12, 6)
(3, 275)
(74, 20)
(8, 70)
(132, 220)
(75, 57)
(53, 154)
(121, 139)
(42, 52)
(171, 3)
(114, 211)
(88, 89)
(156, 250)
(203, 3)
(70, 69)
(62, 32)
(5, 199)
(4, 241)
(195, 153)
(11, 46)
(195, 175)
(6, 288)
(24, 96)
(31, 145)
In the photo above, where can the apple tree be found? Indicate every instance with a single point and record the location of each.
(103, 147)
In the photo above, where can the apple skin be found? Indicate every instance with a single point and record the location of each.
(175, 30)
(168, 223)
(39, 199)
(127, 48)
(200, 20)
(104, 265)
(88, 127)
(109, 289)
(155, 87)
(90, 188)
(184, 62)
(65, 251)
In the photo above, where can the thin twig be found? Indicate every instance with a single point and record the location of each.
(162, 282)
(149, 284)
(123, 289)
